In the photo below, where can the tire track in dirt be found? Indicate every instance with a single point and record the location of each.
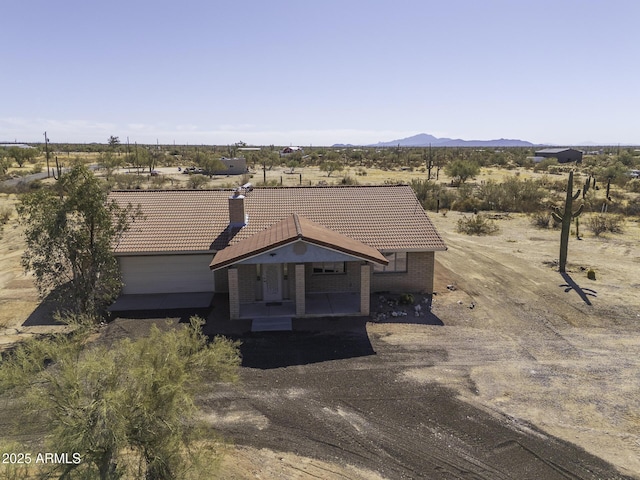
(349, 414)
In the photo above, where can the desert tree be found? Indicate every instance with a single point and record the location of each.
(22, 155)
(209, 163)
(113, 142)
(125, 407)
(331, 166)
(461, 170)
(70, 231)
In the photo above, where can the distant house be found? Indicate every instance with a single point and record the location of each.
(234, 166)
(564, 155)
(18, 145)
(289, 150)
(298, 251)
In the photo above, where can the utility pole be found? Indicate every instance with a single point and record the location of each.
(46, 148)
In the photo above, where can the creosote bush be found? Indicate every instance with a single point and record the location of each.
(126, 408)
(602, 223)
(476, 225)
(541, 219)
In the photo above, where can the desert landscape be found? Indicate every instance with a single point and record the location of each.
(518, 372)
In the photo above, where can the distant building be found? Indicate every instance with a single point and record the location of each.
(19, 145)
(564, 155)
(234, 166)
(289, 150)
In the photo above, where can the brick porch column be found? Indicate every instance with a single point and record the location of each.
(365, 288)
(300, 290)
(234, 294)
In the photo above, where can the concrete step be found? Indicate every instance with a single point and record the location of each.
(271, 324)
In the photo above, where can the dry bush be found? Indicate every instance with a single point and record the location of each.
(476, 225)
(541, 219)
(5, 214)
(602, 223)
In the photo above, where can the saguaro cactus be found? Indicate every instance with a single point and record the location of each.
(58, 170)
(565, 217)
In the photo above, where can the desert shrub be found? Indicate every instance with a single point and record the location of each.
(541, 219)
(591, 274)
(469, 204)
(544, 165)
(512, 195)
(197, 181)
(406, 299)
(158, 182)
(476, 225)
(633, 185)
(349, 180)
(633, 207)
(5, 214)
(429, 193)
(602, 223)
(126, 181)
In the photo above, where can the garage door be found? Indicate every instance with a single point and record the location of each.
(166, 274)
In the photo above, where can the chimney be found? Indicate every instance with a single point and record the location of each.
(237, 217)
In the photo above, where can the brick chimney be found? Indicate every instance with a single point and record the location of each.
(237, 217)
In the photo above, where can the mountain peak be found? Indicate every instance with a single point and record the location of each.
(425, 140)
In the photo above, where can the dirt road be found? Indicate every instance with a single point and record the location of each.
(538, 380)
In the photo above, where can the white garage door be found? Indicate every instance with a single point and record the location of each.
(166, 274)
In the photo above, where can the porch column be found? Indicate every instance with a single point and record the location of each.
(365, 288)
(300, 290)
(234, 294)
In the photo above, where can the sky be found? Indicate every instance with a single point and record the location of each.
(320, 72)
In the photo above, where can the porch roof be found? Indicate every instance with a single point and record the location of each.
(291, 229)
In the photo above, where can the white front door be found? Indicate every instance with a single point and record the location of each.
(272, 282)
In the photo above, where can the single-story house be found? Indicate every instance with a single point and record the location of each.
(564, 155)
(233, 166)
(309, 251)
(289, 150)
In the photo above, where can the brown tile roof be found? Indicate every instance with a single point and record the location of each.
(387, 218)
(289, 230)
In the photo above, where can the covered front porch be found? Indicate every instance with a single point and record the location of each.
(316, 305)
(297, 268)
(294, 290)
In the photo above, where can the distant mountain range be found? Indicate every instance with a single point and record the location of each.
(424, 140)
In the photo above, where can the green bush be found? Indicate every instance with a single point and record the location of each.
(512, 195)
(476, 225)
(406, 299)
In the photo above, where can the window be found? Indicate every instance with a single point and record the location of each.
(329, 267)
(397, 263)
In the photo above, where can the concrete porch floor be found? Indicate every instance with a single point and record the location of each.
(316, 304)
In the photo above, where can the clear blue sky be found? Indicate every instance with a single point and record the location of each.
(320, 72)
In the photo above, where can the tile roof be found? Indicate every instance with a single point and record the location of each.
(289, 230)
(388, 218)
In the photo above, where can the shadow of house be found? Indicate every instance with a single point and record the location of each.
(267, 350)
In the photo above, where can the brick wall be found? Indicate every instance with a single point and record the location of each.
(417, 278)
(339, 282)
(247, 283)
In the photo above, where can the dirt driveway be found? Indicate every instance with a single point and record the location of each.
(540, 379)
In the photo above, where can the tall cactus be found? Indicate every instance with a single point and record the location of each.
(565, 217)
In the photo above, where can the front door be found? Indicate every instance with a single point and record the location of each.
(272, 282)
